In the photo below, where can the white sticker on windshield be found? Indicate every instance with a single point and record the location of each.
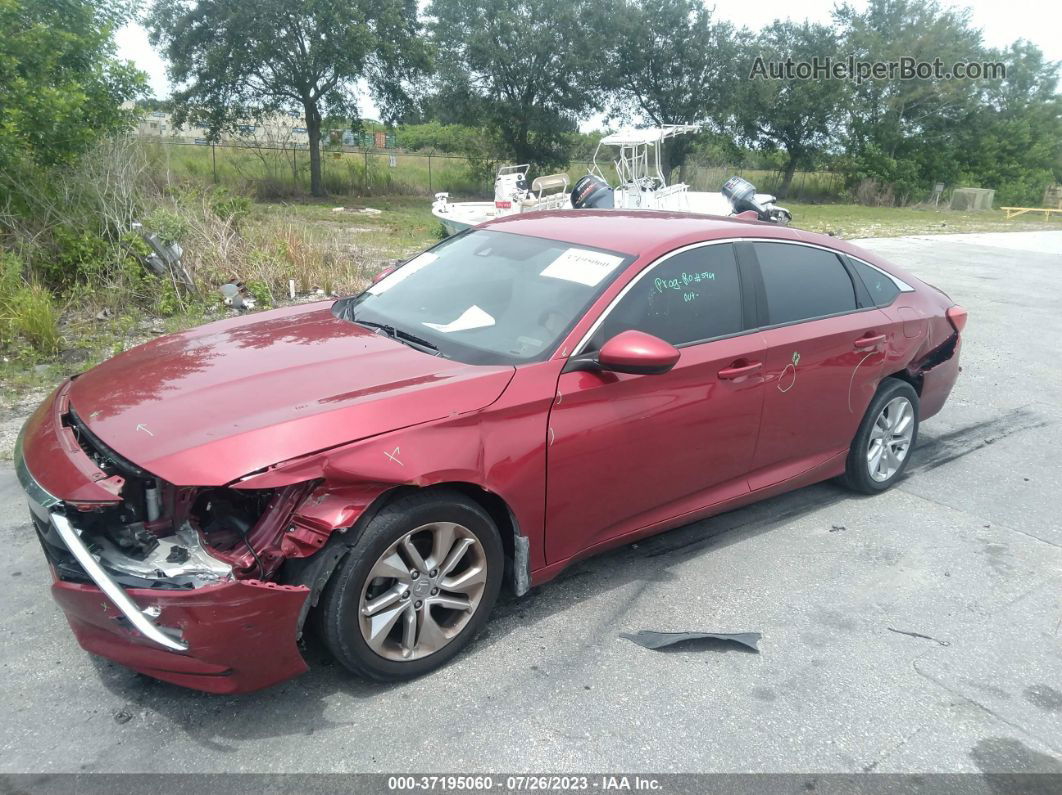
(404, 272)
(582, 265)
(471, 318)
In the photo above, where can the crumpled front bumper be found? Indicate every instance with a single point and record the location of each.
(228, 637)
(240, 634)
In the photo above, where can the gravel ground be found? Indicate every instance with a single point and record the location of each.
(915, 631)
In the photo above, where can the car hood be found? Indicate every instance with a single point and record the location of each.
(209, 405)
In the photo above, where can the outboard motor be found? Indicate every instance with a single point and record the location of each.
(742, 197)
(592, 193)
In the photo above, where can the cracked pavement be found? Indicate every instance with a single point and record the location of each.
(916, 631)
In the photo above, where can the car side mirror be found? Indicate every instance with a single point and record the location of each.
(637, 353)
(384, 273)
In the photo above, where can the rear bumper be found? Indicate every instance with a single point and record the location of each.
(226, 637)
(937, 382)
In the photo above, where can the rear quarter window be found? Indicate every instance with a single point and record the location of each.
(881, 287)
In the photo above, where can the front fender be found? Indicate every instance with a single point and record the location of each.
(500, 449)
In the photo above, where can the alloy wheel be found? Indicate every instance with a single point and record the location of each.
(890, 439)
(422, 591)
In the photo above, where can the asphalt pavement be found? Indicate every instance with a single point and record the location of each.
(915, 631)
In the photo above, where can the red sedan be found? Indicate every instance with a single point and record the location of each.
(520, 396)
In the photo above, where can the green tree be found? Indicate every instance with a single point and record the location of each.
(1013, 140)
(236, 60)
(61, 87)
(794, 115)
(524, 69)
(902, 132)
(670, 63)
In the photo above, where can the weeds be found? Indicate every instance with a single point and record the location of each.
(72, 254)
(28, 315)
(31, 314)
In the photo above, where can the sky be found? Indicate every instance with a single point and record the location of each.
(1002, 22)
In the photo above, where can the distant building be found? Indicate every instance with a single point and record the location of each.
(279, 130)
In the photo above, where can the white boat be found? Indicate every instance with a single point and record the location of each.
(512, 195)
(640, 185)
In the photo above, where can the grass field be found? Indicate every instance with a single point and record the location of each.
(856, 221)
(406, 225)
(284, 173)
(806, 185)
(280, 173)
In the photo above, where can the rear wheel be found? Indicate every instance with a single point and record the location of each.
(416, 587)
(882, 445)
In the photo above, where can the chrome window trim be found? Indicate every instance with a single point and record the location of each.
(637, 278)
(901, 285)
(581, 347)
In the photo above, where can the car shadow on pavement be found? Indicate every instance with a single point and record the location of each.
(301, 706)
(651, 560)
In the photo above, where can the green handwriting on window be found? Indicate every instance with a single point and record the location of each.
(682, 281)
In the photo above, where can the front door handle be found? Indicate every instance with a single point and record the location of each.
(869, 342)
(736, 370)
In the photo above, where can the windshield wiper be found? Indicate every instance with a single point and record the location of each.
(389, 330)
(401, 336)
(405, 336)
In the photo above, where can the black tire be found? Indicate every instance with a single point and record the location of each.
(857, 475)
(339, 605)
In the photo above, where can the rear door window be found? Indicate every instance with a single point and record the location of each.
(802, 283)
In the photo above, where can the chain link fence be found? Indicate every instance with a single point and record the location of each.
(278, 171)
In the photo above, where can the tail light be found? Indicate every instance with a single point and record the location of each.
(957, 318)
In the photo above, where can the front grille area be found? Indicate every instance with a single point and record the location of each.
(69, 570)
(66, 567)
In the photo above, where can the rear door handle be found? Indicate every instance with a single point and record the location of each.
(736, 371)
(869, 342)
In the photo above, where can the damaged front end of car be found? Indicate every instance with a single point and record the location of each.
(183, 584)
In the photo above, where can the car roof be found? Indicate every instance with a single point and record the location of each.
(650, 233)
(636, 231)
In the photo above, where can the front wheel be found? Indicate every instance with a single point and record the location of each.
(416, 587)
(886, 436)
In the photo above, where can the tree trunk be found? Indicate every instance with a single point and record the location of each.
(313, 131)
(787, 174)
(522, 143)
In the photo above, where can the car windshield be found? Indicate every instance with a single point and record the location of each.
(486, 297)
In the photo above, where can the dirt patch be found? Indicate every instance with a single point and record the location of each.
(12, 416)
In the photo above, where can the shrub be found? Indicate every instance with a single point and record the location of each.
(168, 225)
(28, 313)
(79, 256)
(35, 318)
(168, 301)
(261, 293)
(229, 207)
